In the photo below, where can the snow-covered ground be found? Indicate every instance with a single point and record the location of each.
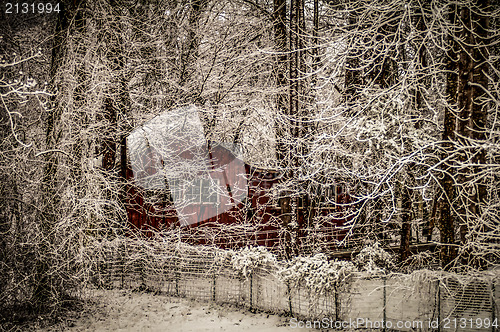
(127, 311)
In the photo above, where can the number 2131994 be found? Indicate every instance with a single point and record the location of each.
(31, 8)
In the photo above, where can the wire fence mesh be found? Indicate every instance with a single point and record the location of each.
(424, 300)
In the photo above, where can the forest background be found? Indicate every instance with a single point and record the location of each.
(398, 100)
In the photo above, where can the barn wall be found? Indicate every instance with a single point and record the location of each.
(260, 215)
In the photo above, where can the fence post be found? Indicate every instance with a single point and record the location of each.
(142, 271)
(109, 267)
(214, 287)
(384, 278)
(122, 265)
(119, 265)
(177, 272)
(439, 304)
(251, 293)
(493, 305)
(337, 301)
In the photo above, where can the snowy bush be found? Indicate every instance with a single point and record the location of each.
(317, 273)
(421, 260)
(374, 259)
(247, 259)
(221, 256)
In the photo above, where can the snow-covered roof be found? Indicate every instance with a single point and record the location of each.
(171, 151)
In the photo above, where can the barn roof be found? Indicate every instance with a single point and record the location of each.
(170, 151)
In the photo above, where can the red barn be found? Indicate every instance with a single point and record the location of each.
(213, 196)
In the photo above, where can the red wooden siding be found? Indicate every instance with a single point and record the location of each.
(254, 221)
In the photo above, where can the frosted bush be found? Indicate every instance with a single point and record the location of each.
(221, 256)
(246, 260)
(317, 273)
(420, 260)
(374, 259)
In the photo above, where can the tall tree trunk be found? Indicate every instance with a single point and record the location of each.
(110, 138)
(315, 34)
(476, 126)
(280, 44)
(404, 248)
(419, 107)
(44, 287)
(289, 204)
(352, 79)
(288, 152)
(308, 201)
(465, 101)
(385, 70)
(421, 51)
(470, 90)
(189, 52)
(282, 131)
(446, 223)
